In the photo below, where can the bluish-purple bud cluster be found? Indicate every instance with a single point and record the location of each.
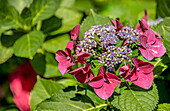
(128, 34)
(106, 38)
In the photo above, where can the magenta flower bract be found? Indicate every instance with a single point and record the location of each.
(117, 24)
(65, 60)
(83, 74)
(141, 75)
(75, 32)
(104, 83)
(124, 70)
(151, 46)
(21, 83)
(81, 57)
(145, 17)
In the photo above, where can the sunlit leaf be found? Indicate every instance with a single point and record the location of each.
(20, 4)
(27, 45)
(43, 9)
(57, 43)
(130, 98)
(44, 89)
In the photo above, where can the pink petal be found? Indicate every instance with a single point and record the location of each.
(97, 82)
(143, 40)
(150, 36)
(68, 52)
(132, 75)
(114, 23)
(77, 70)
(75, 32)
(90, 75)
(146, 67)
(70, 45)
(143, 24)
(158, 48)
(80, 59)
(144, 80)
(60, 55)
(86, 68)
(124, 70)
(64, 66)
(22, 101)
(146, 53)
(145, 17)
(105, 91)
(113, 79)
(119, 24)
(81, 77)
(157, 35)
(101, 71)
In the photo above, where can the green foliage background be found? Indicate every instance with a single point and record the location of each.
(35, 29)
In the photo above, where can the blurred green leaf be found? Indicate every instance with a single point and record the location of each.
(165, 22)
(124, 9)
(51, 24)
(57, 43)
(27, 45)
(133, 97)
(163, 8)
(91, 20)
(43, 9)
(5, 53)
(166, 31)
(67, 3)
(84, 5)
(96, 68)
(38, 66)
(9, 17)
(44, 89)
(72, 101)
(70, 18)
(20, 4)
(163, 107)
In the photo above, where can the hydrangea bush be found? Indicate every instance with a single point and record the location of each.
(59, 55)
(112, 45)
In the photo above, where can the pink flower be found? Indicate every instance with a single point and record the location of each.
(21, 83)
(141, 75)
(145, 17)
(83, 74)
(81, 57)
(117, 24)
(151, 46)
(124, 70)
(65, 60)
(75, 32)
(104, 83)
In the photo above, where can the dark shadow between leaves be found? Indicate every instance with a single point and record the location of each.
(83, 98)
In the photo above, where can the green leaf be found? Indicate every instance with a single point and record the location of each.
(96, 68)
(70, 18)
(67, 3)
(9, 17)
(51, 24)
(91, 20)
(163, 9)
(134, 98)
(27, 45)
(43, 9)
(166, 31)
(51, 69)
(5, 53)
(164, 107)
(20, 4)
(72, 101)
(57, 43)
(44, 89)
(38, 66)
(165, 22)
